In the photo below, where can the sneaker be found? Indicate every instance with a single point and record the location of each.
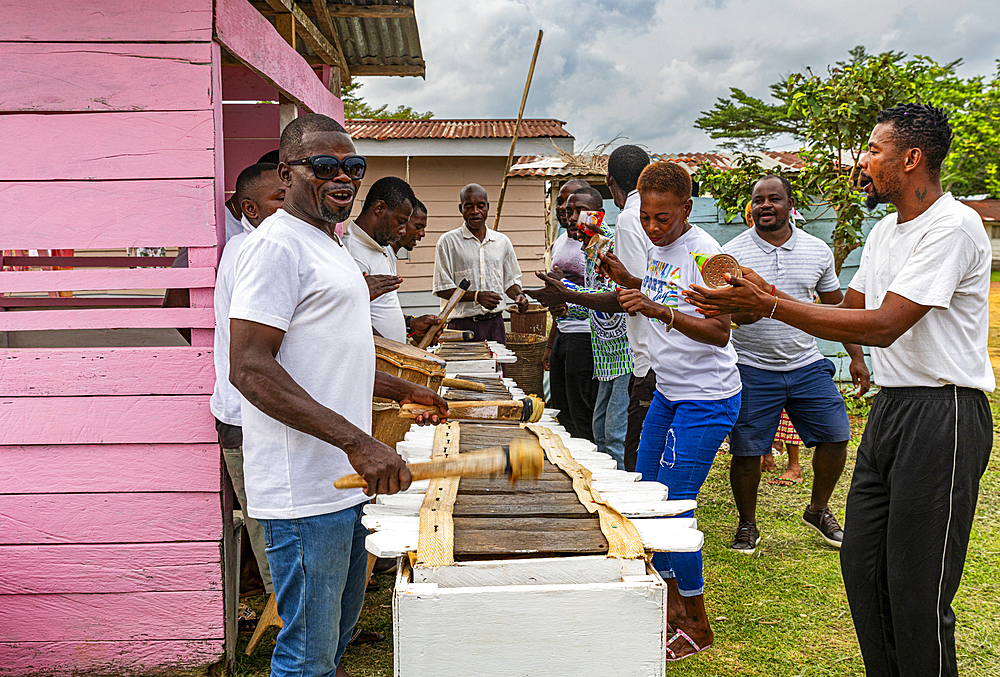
(826, 524)
(747, 538)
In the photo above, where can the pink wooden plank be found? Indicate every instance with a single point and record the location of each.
(138, 616)
(239, 83)
(251, 121)
(71, 659)
(92, 280)
(107, 20)
(81, 302)
(203, 257)
(38, 519)
(105, 77)
(241, 153)
(146, 145)
(109, 214)
(45, 469)
(254, 41)
(88, 261)
(147, 567)
(152, 419)
(118, 318)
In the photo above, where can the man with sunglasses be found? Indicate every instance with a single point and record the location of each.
(303, 358)
(484, 257)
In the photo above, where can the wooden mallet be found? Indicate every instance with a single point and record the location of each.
(456, 296)
(462, 384)
(528, 410)
(525, 460)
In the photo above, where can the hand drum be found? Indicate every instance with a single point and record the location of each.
(716, 267)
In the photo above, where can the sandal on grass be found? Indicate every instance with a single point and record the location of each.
(365, 637)
(783, 482)
(680, 634)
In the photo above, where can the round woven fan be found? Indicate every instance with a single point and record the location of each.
(716, 267)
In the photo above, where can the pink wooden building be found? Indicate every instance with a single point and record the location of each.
(116, 539)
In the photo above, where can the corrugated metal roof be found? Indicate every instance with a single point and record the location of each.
(379, 42)
(988, 210)
(380, 130)
(557, 167)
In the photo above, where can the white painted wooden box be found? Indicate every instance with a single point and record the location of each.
(550, 617)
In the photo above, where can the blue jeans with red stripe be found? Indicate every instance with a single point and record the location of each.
(678, 445)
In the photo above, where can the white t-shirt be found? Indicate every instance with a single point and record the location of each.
(293, 276)
(942, 259)
(568, 257)
(634, 249)
(233, 225)
(800, 267)
(373, 259)
(685, 369)
(225, 402)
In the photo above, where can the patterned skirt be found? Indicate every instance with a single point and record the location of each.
(786, 431)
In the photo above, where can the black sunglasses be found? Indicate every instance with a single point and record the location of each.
(328, 167)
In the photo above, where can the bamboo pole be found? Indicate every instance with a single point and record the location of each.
(517, 128)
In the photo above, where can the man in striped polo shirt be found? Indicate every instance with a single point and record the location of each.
(782, 368)
(609, 341)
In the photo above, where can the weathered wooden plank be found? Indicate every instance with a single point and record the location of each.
(73, 658)
(152, 567)
(107, 21)
(495, 542)
(145, 145)
(501, 486)
(111, 214)
(106, 371)
(152, 419)
(99, 318)
(239, 83)
(256, 43)
(46, 469)
(89, 261)
(105, 77)
(527, 523)
(37, 519)
(250, 121)
(542, 571)
(97, 280)
(114, 617)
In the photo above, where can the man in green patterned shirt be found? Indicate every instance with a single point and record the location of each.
(608, 338)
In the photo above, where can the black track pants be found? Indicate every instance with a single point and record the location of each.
(908, 519)
(572, 383)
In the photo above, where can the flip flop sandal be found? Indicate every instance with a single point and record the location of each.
(680, 634)
(783, 482)
(365, 637)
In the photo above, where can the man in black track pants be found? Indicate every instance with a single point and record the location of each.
(920, 299)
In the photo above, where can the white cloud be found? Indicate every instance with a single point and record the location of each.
(646, 68)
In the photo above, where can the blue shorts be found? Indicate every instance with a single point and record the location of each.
(814, 405)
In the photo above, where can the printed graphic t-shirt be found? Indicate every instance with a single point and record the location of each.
(685, 369)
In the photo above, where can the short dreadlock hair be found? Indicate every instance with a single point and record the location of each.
(916, 125)
(665, 177)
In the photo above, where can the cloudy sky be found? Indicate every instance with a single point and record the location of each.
(644, 69)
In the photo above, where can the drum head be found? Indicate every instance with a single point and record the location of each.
(716, 267)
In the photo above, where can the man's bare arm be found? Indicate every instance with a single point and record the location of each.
(257, 375)
(847, 323)
(860, 375)
(555, 293)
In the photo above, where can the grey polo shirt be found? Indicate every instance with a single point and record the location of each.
(800, 267)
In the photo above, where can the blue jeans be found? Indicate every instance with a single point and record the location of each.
(678, 445)
(611, 417)
(318, 567)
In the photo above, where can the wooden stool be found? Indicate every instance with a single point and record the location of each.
(268, 619)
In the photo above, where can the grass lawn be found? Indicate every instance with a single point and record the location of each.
(781, 612)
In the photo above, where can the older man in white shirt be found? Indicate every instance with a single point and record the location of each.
(484, 257)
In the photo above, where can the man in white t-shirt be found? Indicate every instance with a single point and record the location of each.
(387, 209)
(303, 357)
(259, 193)
(920, 299)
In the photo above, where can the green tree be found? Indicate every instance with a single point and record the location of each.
(832, 114)
(356, 108)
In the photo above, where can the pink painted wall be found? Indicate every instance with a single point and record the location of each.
(111, 513)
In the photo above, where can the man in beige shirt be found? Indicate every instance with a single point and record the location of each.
(484, 257)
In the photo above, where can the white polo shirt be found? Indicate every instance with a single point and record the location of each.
(225, 402)
(373, 259)
(294, 277)
(940, 259)
(490, 265)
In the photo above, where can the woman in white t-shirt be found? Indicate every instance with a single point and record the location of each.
(698, 386)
